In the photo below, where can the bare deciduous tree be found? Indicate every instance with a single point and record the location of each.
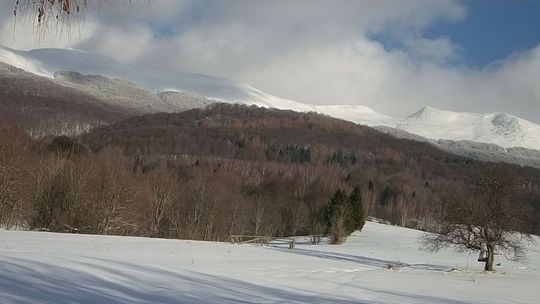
(59, 204)
(44, 10)
(12, 171)
(162, 190)
(112, 192)
(490, 219)
(57, 14)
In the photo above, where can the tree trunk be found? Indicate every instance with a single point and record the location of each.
(259, 215)
(490, 258)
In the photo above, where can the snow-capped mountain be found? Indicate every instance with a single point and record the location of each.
(47, 62)
(500, 129)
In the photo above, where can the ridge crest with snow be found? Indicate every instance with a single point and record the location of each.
(501, 129)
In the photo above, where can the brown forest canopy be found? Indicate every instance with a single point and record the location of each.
(231, 169)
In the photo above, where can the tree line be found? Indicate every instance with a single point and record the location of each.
(209, 174)
(59, 187)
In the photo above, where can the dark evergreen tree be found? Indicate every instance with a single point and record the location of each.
(344, 214)
(357, 217)
(337, 214)
(337, 201)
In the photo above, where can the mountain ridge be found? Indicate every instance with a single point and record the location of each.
(502, 129)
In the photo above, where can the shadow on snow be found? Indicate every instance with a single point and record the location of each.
(25, 281)
(94, 280)
(373, 262)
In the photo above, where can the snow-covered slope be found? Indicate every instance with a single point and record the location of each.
(381, 264)
(359, 114)
(120, 93)
(500, 129)
(474, 150)
(496, 128)
(47, 62)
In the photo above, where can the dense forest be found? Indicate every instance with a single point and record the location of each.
(229, 169)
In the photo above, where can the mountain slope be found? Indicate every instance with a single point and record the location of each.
(474, 150)
(496, 128)
(252, 133)
(120, 93)
(42, 107)
(71, 103)
(46, 62)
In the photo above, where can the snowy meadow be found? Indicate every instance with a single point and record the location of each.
(381, 264)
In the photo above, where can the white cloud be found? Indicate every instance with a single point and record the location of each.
(25, 34)
(126, 45)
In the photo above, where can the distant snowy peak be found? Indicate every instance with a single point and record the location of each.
(501, 129)
(496, 128)
(430, 113)
(504, 122)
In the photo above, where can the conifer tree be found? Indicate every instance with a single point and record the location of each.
(357, 215)
(344, 214)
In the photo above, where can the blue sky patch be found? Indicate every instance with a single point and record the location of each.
(491, 31)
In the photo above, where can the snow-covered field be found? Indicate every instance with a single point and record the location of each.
(38, 267)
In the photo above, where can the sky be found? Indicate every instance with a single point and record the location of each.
(394, 56)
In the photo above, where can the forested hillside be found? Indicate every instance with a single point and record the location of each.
(230, 169)
(42, 107)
